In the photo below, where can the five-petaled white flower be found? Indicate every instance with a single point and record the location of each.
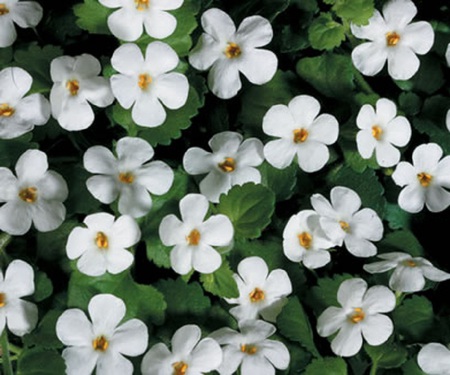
(360, 316)
(260, 293)
(381, 130)
(232, 162)
(102, 245)
(424, 180)
(19, 114)
(434, 359)
(344, 222)
(130, 177)
(305, 241)
(226, 52)
(76, 84)
(393, 38)
(251, 349)
(101, 343)
(128, 22)
(18, 315)
(189, 354)
(410, 272)
(146, 82)
(34, 196)
(301, 132)
(24, 13)
(194, 237)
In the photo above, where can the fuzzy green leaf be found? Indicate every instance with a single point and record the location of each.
(92, 16)
(43, 286)
(281, 181)
(327, 365)
(38, 361)
(387, 355)
(356, 11)
(221, 282)
(401, 240)
(11, 149)
(325, 34)
(44, 335)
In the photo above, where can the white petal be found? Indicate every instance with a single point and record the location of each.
(118, 261)
(76, 114)
(351, 292)
(135, 201)
(87, 66)
(207, 355)
(426, 156)
(47, 215)
(359, 247)
(218, 24)
(52, 187)
(316, 259)
(127, 59)
(103, 188)
(125, 89)
(167, 4)
(185, 339)
(412, 199)
(437, 199)
(171, 231)
(407, 279)
(159, 24)
(126, 231)
(369, 58)
(404, 174)
(80, 360)
(15, 82)
(280, 153)
(197, 161)
(61, 67)
(73, 328)
(21, 316)
(19, 279)
(365, 143)
(217, 231)
(27, 13)
(205, 259)
(378, 299)
(376, 28)
(366, 117)
(205, 53)
(366, 224)
(15, 218)
(249, 174)
(223, 79)
(379, 267)
(181, 259)
(348, 341)
(8, 34)
(434, 359)
(215, 184)
(257, 365)
(106, 312)
(250, 153)
(34, 108)
(277, 353)
(92, 263)
(133, 152)
(193, 209)
(279, 121)
(160, 58)
(402, 63)
(259, 66)
(226, 142)
(111, 3)
(376, 329)
(399, 131)
(31, 166)
(97, 90)
(124, 25)
(256, 330)
(111, 362)
(398, 13)
(131, 338)
(324, 129)
(304, 109)
(330, 321)
(148, 111)
(435, 274)
(253, 271)
(232, 358)
(312, 156)
(254, 31)
(172, 89)
(78, 242)
(419, 36)
(155, 359)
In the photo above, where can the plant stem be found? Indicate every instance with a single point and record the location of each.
(6, 360)
(5, 239)
(362, 83)
(373, 369)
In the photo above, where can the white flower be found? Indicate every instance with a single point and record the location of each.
(344, 222)
(305, 241)
(393, 38)
(226, 52)
(19, 114)
(20, 316)
(101, 343)
(146, 82)
(232, 162)
(301, 132)
(128, 22)
(381, 130)
(424, 180)
(24, 13)
(189, 354)
(102, 245)
(251, 349)
(34, 196)
(434, 359)
(194, 237)
(76, 84)
(358, 317)
(447, 120)
(410, 272)
(260, 293)
(129, 177)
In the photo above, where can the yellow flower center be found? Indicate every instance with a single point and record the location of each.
(232, 50)
(377, 132)
(249, 349)
(179, 368)
(358, 315)
(73, 86)
(300, 135)
(3, 9)
(101, 240)
(193, 238)
(424, 179)
(228, 165)
(2, 300)
(345, 226)
(142, 4)
(5, 109)
(410, 263)
(126, 177)
(305, 240)
(100, 344)
(28, 194)
(257, 295)
(144, 81)
(392, 38)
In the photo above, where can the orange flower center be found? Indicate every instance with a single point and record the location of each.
(73, 86)
(5, 109)
(101, 240)
(2, 300)
(249, 349)
(126, 177)
(257, 295)
(228, 165)
(232, 50)
(392, 39)
(28, 195)
(193, 238)
(305, 240)
(3, 9)
(358, 315)
(179, 368)
(424, 179)
(142, 4)
(410, 263)
(100, 344)
(377, 132)
(300, 135)
(345, 226)
(144, 81)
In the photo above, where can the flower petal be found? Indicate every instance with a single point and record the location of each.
(399, 131)
(47, 215)
(369, 58)
(259, 66)
(412, 199)
(92, 263)
(404, 174)
(27, 13)
(103, 188)
(128, 59)
(8, 34)
(181, 259)
(131, 338)
(433, 358)
(279, 121)
(407, 279)
(330, 321)
(31, 166)
(312, 156)
(193, 209)
(135, 201)
(351, 292)
(106, 312)
(434, 274)
(217, 230)
(324, 129)
(155, 359)
(80, 359)
(172, 89)
(171, 231)
(206, 356)
(223, 79)
(218, 24)
(77, 242)
(280, 153)
(76, 114)
(253, 271)
(15, 218)
(133, 152)
(19, 279)
(197, 161)
(402, 63)
(376, 329)
(304, 109)
(378, 299)
(215, 184)
(124, 25)
(277, 353)
(15, 82)
(148, 111)
(367, 224)
(205, 53)
(348, 341)
(398, 13)
(74, 329)
(159, 24)
(21, 316)
(256, 365)
(205, 259)
(160, 58)
(97, 91)
(185, 339)
(253, 32)
(437, 199)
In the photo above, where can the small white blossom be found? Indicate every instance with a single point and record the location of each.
(76, 84)
(129, 176)
(128, 22)
(410, 272)
(18, 315)
(193, 237)
(189, 354)
(305, 241)
(227, 52)
(145, 83)
(24, 13)
(360, 316)
(381, 130)
(393, 38)
(251, 349)
(344, 222)
(434, 359)
(301, 133)
(100, 343)
(424, 181)
(19, 113)
(260, 293)
(232, 162)
(34, 196)
(102, 245)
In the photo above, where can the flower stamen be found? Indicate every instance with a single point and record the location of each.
(144, 81)
(410, 263)
(2, 300)
(28, 195)
(392, 38)
(257, 295)
(5, 109)
(345, 226)
(126, 177)
(232, 51)
(100, 344)
(377, 132)
(424, 179)
(3, 9)
(358, 315)
(101, 240)
(179, 368)
(228, 165)
(193, 239)
(142, 4)
(305, 240)
(73, 86)
(300, 135)
(249, 349)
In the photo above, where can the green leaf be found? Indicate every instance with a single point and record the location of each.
(328, 366)
(221, 282)
(330, 74)
(412, 368)
(44, 336)
(410, 103)
(249, 207)
(293, 323)
(430, 77)
(11, 149)
(401, 240)
(43, 286)
(157, 252)
(281, 181)
(6, 55)
(92, 16)
(356, 11)
(437, 134)
(387, 355)
(51, 245)
(396, 217)
(271, 251)
(38, 361)
(325, 34)
(353, 157)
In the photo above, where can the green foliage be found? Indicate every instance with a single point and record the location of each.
(221, 282)
(356, 11)
(92, 16)
(43, 286)
(39, 361)
(325, 34)
(327, 365)
(387, 355)
(401, 240)
(44, 335)
(10, 150)
(281, 181)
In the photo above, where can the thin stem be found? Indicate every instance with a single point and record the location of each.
(373, 369)
(5, 239)
(362, 83)
(6, 360)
